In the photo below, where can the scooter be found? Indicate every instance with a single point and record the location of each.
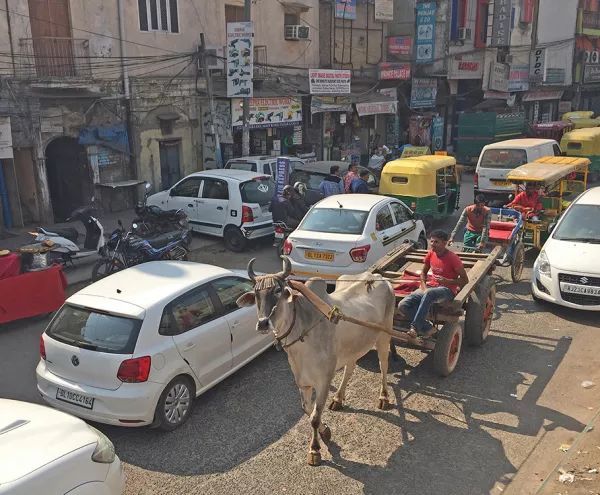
(63, 241)
(282, 231)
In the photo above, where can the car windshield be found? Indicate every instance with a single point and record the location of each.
(500, 158)
(580, 224)
(250, 167)
(335, 221)
(259, 190)
(95, 330)
(311, 179)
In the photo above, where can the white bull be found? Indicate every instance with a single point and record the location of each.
(316, 348)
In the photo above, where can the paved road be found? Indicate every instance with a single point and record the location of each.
(509, 404)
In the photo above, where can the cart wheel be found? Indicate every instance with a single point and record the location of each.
(480, 312)
(447, 348)
(516, 267)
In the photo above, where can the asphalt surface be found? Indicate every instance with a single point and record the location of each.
(508, 407)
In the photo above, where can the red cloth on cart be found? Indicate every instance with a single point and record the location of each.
(10, 265)
(410, 282)
(501, 231)
(32, 294)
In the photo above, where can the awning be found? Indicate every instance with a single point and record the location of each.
(541, 95)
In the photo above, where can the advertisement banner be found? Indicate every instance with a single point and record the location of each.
(384, 10)
(498, 77)
(465, 68)
(425, 35)
(537, 65)
(410, 151)
(281, 180)
(345, 9)
(240, 59)
(394, 71)
(518, 78)
(6, 144)
(320, 104)
(267, 112)
(527, 7)
(327, 81)
(376, 108)
(437, 133)
(423, 93)
(501, 23)
(400, 46)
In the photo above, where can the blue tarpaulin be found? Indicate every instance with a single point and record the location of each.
(113, 137)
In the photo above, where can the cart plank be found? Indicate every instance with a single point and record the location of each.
(475, 275)
(391, 257)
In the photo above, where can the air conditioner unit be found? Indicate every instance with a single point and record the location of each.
(464, 34)
(296, 32)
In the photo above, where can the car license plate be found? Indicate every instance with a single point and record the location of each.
(498, 182)
(279, 235)
(580, 289)
(319, 256)
(75, 398)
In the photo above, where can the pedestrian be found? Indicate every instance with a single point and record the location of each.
(377, 160)
(477, 218)
(350, 176)
(360, 185)
(448, 277)
(332, 184)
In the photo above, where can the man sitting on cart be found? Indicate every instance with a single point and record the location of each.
(477, 217)
(528, 202)
(448, 277)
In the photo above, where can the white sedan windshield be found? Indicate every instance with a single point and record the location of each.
(580, 224)
(335, 221)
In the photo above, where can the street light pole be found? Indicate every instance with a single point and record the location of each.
(246, 102)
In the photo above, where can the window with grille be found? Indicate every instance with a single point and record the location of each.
(159, 15)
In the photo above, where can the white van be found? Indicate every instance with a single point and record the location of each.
(498, 159)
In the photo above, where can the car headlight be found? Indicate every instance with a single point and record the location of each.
(105, 450)
(544, 263)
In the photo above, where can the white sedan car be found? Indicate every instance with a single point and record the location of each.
(138, 347)
(567, 271)
(47, 451)
(346, 233)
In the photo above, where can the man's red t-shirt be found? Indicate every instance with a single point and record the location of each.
(448, 265)
(522, 199)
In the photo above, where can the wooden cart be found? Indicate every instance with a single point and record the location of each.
(475, 302)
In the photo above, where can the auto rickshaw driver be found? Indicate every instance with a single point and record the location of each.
(528, 202)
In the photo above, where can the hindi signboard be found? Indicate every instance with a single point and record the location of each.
(345, 9)
(240, 59)
(384, 10)
(376, 108)
(518, 78)
(394, 71)
(400, 45)
(423, 93)
(498, 77)
(425, 36)
(328, 81)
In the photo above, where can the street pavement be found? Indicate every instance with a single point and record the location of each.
(502, 416)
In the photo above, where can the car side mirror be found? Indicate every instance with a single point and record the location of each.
(551, 227)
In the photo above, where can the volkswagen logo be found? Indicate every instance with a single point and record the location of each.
(584, 280)
(263, 188)
(75, 360)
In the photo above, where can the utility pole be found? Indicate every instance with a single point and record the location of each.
(246, 101)
(211, 101)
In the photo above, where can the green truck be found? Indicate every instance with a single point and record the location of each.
(475, 130)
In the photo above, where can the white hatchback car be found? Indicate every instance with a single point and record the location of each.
(48, 451)
(262, 164)
(137, 347)
(233, 204)
(567, 270)
(346, 233)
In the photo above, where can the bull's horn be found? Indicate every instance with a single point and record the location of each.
(251, 273)
(287, 268)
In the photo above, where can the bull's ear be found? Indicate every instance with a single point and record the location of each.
(247, 299)
(290, 294)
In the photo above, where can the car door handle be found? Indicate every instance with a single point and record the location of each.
(236, 323)
(198, 201)
(220, 208)
(189, 345)
(385, 237)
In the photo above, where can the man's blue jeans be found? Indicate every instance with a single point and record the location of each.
(417, 305)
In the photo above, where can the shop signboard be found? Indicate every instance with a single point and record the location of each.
(384, 10)
(267, 112)
(394, 71)
(591, 73)
(527, 7)
(437, 133)
(240, 59)
(6, 144)
(537, 65)
(400, 45)
(498, 77)
(518, 78)
(345, 9)
(389, 92)
(283, 170)
(425, 36)
(376, 108)
(409, 151)
(329, 81)
(423, 93)
(320, 104)
(465, 68)
(501, 28)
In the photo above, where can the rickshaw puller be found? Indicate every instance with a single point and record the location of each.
(477, 218)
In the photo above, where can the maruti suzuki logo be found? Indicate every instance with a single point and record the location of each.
(584, 280)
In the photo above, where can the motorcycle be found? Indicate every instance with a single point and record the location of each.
(282, 231)
(125, 249)
(151, 220)
(62, 243)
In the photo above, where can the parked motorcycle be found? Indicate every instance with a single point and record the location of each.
(151, 220)
(125, 249)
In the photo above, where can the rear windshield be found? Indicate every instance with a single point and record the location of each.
(507, 159)
(250, 167)
(311, 179)
(259, 190)
(580, 224)
(95, 331)
(335, 221)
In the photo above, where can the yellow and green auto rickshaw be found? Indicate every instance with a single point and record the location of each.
(559, 179)
(586, 143)
(427, 184)
(581, 119)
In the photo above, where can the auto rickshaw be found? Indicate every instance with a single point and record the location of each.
(560, 180)
(581, 119)
(584, 142)
(427, 184)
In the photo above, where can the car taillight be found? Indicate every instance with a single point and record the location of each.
(476, 180)
(287, 247)
(359, 254)
(42, 348)
(247, 215)
(135, 370)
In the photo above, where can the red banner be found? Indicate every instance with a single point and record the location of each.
(527, 11)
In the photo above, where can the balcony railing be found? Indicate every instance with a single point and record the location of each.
(590, 20)
(54, 58)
